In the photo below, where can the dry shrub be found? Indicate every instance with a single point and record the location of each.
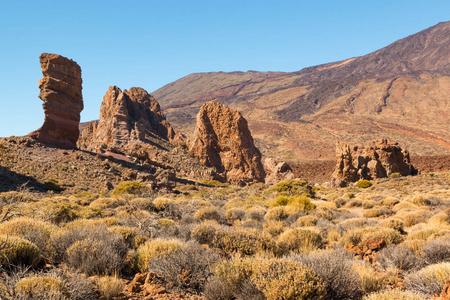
(368, 204)
(334, 268)
(390, 201)
(404, 205)
(41, 287)
(96, 256)
(207, 213)
(300, 240)
(394, 223)
(128, 233)
(154, 249)
(307, 221)
(436, 251)
(104, 203)
(399, 256)
(429, 280)
(322, 203)
(244, 241)
(161, 204)
(205, 232)
(286, 279)
(187, 268)
(275, 278)
(277, 213)
(107, 256)
(414, 217)
(389, 235)
(17, 251)
(235, 213)
(370, 281)
(35, 231)
(372, 213)
(256, 214)
(110, 286)
(274, 228)
(395, 295)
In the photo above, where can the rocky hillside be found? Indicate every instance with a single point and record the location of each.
(400, 92)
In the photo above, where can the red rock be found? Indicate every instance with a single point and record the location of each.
(276, 172)
(127, 117)
(60, 89)
(223, 141)
(378, 159)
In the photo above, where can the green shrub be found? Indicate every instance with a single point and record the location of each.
(129, 187)
(18, 251)
(153, 249)
(429, 280)
(40, 287)
(300, 240)
(363, 184)
(294, 204)
(395, 175)
(291, 187)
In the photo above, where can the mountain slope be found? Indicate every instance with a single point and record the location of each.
(399, 92)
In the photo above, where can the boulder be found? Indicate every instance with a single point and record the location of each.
(60, 89)
(223, 141)
(277, 171)
(130, 116)
(378, 159)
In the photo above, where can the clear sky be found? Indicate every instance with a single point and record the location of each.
(152, 43)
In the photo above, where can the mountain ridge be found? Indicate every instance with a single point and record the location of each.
(378, 94)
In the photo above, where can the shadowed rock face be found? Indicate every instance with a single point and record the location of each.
(60, 89)
(378, 159)
(223, 141)
(130, 116)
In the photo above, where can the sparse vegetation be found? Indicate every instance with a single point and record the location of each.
(219, 241)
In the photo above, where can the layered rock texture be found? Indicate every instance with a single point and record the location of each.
(60, 89)
(401, 92)
(378, 159)
(223, 141)
(130, 116)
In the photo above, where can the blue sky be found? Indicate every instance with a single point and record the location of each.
(152, 43)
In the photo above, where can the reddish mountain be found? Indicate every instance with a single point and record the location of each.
(400, 92)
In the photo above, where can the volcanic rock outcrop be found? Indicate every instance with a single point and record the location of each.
(60, 89)
(131, 116)
(277, 171)
(223, 141)
(380, 158)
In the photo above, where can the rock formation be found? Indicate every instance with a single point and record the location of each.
(60, 89)
(223, 141)
(130, 116)
(380, 158)
(276, 172)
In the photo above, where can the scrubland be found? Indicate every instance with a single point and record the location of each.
(385, 239)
